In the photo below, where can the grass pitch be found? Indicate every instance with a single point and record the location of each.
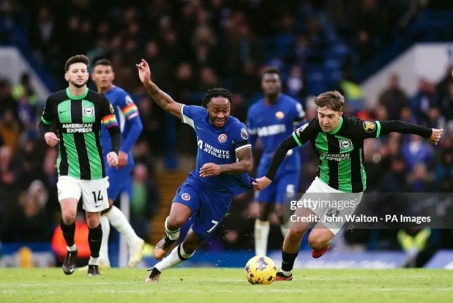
(212, 285)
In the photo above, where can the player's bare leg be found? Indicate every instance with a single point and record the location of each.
(178, 255)
(179, 214)
(291, 244)
(319, 240)
(262, 228)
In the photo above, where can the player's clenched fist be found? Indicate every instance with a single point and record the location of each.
(261, 183)
(435, 136)
(112, 159)
(51, 138)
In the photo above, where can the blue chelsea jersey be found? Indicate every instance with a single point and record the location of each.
(217, 145)
(273, 124)
(125, 111)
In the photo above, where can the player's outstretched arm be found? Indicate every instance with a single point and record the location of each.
(160, 97)
(432, 134)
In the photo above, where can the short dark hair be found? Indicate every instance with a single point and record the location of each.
(104, 62)
(215, 92)
(332, 99)
(76, 59)
(271, 70)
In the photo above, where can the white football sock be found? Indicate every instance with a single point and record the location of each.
(93, 261)
(173, 258)
(261, 234)
(71, 248)
(120, 222)
(104, 251)
(172, 234)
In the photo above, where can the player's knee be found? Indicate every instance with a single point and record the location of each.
(175, 222)
(68, 216)
(265, 211)
(295, 234)
(319, 238)
(93, 221)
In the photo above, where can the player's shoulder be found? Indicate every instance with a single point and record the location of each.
(311, 127)
(256, 105)
(93, 95)
(288, 99)
(233, 121)
(195, 109)
(58, 95)
(237, 128)
(351, 120)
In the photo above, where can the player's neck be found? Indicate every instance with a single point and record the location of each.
(103, 90)
(271, 100)
(77, 91)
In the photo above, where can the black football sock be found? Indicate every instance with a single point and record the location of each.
(94, 240)
(68, 232)
(288, 260)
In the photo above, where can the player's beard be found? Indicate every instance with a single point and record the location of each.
(77, 85)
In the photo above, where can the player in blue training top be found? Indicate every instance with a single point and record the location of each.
(271, 119)
(223, 160)
(119, 178)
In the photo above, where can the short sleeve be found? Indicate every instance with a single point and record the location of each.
(190, 113)
(251, 123)
(240, 136)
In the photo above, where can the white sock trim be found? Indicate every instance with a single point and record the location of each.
(173, 235)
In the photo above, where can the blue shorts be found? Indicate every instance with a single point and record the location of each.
(284, 186)
(119, 180)
(208, 208)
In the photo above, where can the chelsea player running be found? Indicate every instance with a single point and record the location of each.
(119, 178)
(271, 119)
(223, 160)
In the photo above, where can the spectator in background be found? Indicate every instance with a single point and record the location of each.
(7, 101)
(10, 130)
(29, 222)
(416, 150)
(393, 98)
(28, 161)
(24, 89)
(424, 100)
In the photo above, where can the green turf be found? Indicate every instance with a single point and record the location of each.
(226, 285)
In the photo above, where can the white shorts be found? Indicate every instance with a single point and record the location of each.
(331, 203)
(93, 192)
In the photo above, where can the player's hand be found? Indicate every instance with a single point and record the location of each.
(51, 138)
(112, 159)
(144, 73)
(435, 136)
(261, 183)
(210, 169)
(122, 159)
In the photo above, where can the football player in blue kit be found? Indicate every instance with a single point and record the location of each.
(120, 177)
(223, 160)
(271, 119)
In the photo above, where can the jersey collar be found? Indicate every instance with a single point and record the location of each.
(76, 97)
(333, 132)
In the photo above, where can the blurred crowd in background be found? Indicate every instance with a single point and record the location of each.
(195, 45)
